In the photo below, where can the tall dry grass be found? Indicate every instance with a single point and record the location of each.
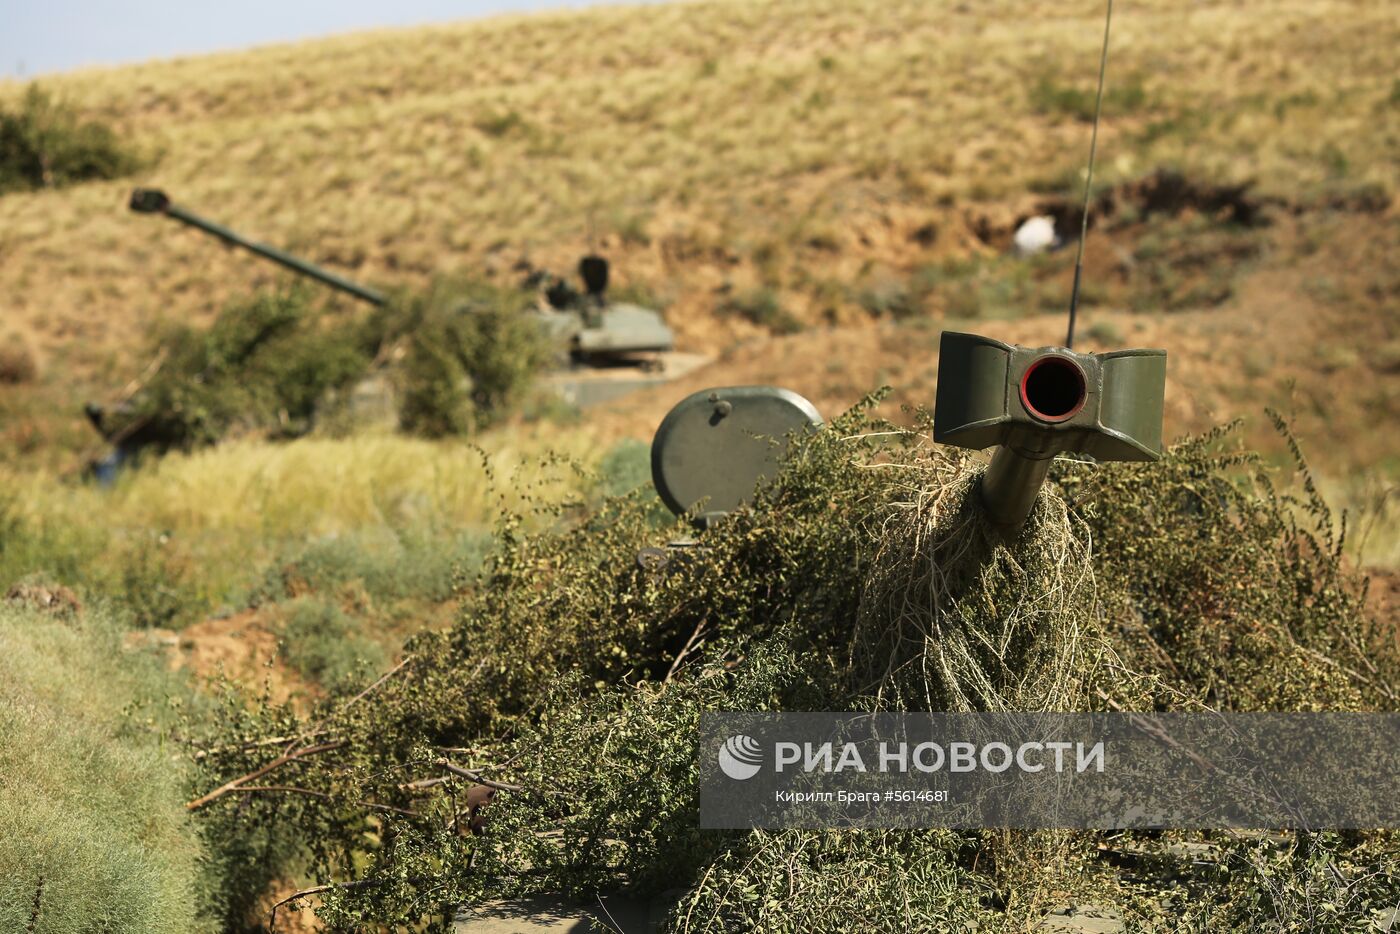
(96, 838)
(210, 523)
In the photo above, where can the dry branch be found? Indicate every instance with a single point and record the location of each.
(477, 776)
(313, 793)
(291, 756)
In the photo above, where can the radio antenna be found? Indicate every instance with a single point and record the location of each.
(1088, 182)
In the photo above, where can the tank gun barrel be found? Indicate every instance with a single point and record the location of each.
(1035, 403)
(155, 201)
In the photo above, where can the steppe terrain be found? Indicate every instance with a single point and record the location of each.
(849, 171)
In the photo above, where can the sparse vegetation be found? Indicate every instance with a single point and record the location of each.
(18, 363)
(46, 143)
(900, 301)
(1104, 334)
(763, 307)
(712, 161)
(1189, 263)
(1123, 97)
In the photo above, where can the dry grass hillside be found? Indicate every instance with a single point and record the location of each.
(813, 187)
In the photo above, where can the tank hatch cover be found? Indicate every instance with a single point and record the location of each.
(716, 446)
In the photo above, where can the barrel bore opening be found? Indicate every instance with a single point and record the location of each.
(1053, 389)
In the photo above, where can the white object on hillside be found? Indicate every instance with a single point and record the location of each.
(1036, 235)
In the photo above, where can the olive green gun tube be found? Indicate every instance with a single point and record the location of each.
(155, 201)
(1011, 486)
(1033, 404)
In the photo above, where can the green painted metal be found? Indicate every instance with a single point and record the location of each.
(715, 448)
(155, 201)
(1036, 402)
(619, 327)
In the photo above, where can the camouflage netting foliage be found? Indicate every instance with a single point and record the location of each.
(574, 679)
(262, 366)
(950, 620)
(284, 361)
(471, 355)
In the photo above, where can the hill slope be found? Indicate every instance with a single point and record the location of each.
(712, 131)
(840, 162)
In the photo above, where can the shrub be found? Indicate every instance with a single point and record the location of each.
(472, 354)
(65, 551)
(388, 564)
(893, 299)
(44, 143)
(1104, 334)
(626, 467)
(96, 838)
(18, 362)
(437, 392)
(263, 365)
(501, 123)
(325, 644)
(157, 586)
(1244, 606)
(763, 307)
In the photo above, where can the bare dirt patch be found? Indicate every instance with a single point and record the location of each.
(241, 647)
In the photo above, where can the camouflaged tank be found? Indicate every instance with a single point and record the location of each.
(604, 349)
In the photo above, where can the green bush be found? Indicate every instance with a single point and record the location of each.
(44, 143)
(154, 584)
(625, 470)
(96, 838)
(579, 675)
(264, 365)
(387, 564)
(1245, 605)
(472, 354)
(65, 551)
(437, 392)
(270, 364)
(156, 587)
(763, 307)
(326, 645)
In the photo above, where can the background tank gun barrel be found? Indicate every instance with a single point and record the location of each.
(155, 201)
(1035, 403)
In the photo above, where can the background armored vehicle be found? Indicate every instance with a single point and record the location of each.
(603, 349)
